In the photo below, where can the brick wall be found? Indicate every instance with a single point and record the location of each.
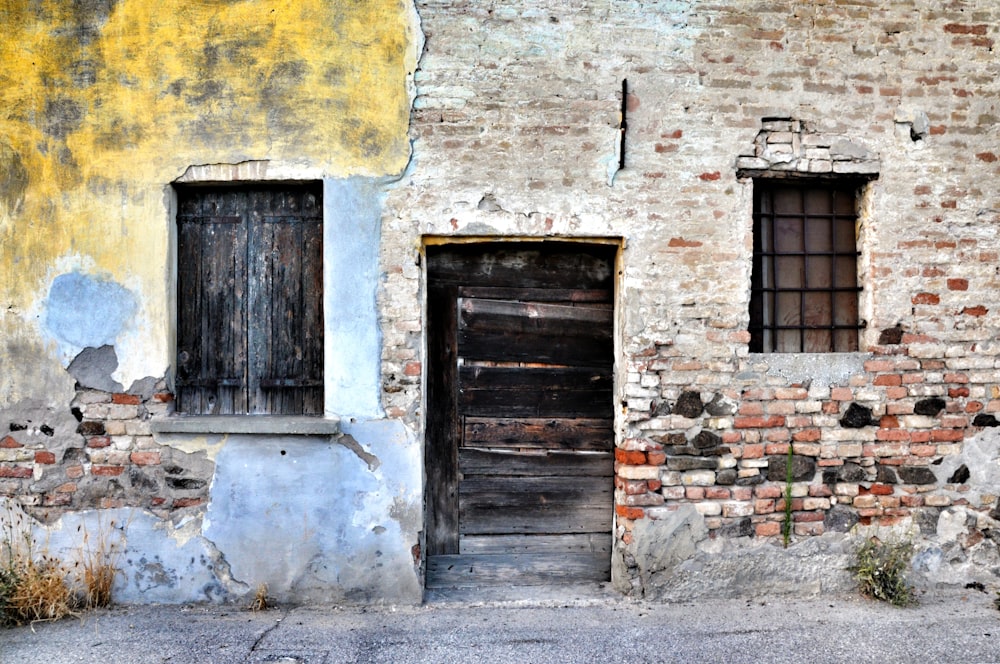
(515, 132)
(109, 460)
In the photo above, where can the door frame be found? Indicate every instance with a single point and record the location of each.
(619, 245)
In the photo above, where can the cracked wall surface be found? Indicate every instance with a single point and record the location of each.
(108, 105)
(517, 133)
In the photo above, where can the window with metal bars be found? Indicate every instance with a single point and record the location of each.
(804, 284)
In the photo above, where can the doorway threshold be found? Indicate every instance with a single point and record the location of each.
(555, 595)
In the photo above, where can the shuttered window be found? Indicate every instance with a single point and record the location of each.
(804, 286)
(250, 300)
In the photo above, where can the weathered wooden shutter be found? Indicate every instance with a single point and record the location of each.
(250, 300)
(211, 303)
(285, 351)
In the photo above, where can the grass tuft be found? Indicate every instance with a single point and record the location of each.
(880, 569)
(260, 602)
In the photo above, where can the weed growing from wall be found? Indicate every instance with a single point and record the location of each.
(36, 586)
(880, 570)
(786, 526)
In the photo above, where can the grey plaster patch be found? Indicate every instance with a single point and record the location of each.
(84, 310)
(351, 237)
(314, 520)
(816, 565)
(93, 367)
(660, 546)
(981, 457)
(812, 368)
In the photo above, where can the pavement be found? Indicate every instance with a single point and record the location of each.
(946, 626)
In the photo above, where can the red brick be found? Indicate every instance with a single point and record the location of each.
(753, 451)
(958, 392)
(716, 493)
(709, 177)
(956, 378)
(767, 529)
(820, 491)
(958, 284)
(988, 157)
(979, 310)
(44, 457)
(881, 489)
(145, 458)
(743, 493)
(875, 366)
(192, 502)
(681, 242)
(751, 408)
(623, 511)
(763, 506)
(656, 457)
(694, 493)
(973, 407)
(947, 435)
(412, 369)
(778, 435)
(163, 397)
(889, 422)
(634, 487)
(630, 457)
(16, 472)
(807, 516)
(129, 399)
(791, 393)
(768, 491)
(68, 487)
(888, 380)
(57, 499)
(74, 472)
(106, 471)
(98, 441)
(923, 450)
(892, 434)
(841, 394)
(925, 298)
(965, 29)
(759, 422)
(807, 435)
(9, 443)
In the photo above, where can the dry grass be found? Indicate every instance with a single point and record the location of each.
(98, 567)
(260, 599)
(36, 586)
(40, 592)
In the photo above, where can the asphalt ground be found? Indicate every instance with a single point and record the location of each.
(947, 626)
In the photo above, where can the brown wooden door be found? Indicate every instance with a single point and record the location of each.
(519, 424)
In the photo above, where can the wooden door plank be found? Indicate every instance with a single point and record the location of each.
(592, 297)
(571, 543)
(500, 489)
(442, 436)
(542, 518)
(473, 461)
(536, 348)
(503, 264)
(515, 317)
(465, 571)
(578, 433)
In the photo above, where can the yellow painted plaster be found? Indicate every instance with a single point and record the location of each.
(105, 102)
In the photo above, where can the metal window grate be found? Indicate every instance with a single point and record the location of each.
(804, 284)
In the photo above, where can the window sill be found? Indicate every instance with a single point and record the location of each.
(281, 425)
